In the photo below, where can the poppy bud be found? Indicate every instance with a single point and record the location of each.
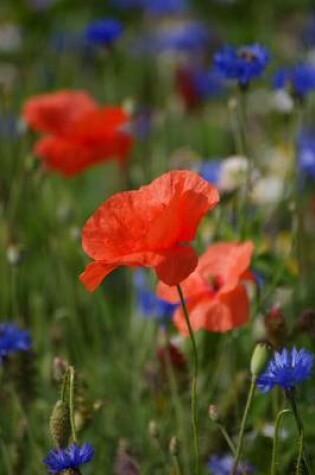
(174, 446)
(260, 358)
(154, 430)
(306, 322)
(276, 326)
(59, 424)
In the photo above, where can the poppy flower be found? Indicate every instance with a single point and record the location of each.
(79, 133)
(150, 227)
(215, 296)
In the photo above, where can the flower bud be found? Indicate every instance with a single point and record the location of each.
(213, 412)
(59, 424)
(174, 446)
(153, 430)
(260, 358)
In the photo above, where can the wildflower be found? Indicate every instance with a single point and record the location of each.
(187, 36)
(148, 303)
(211, 170)
(286, 369)
(306, 153)
(300, 79)
(79, 132)
(104, 32)
(12, 339)
(215, 296)
(222, 465)
(195, 85)
(72, 457)
(243, 64)
(163, 7)
(154, 7)
(149, 227)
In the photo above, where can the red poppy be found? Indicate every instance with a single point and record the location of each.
(215, 295)
(152, 227)
(79, 132)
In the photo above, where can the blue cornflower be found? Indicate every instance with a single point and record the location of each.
(300, 79)
(12, 339)
(224, 464)
(211, 170)
(306, 153)
(72, 457)
(148, 303)
(162, 7)
(103, 32)
(153, 7)
(208, 82)
(286, 369)
(243, 64)
(190, 36)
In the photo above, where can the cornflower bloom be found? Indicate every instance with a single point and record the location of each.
(243, 64)
(72, 457)
(286, 369)
(104, 32)
(222, 465)
(299, 79)
(148, 303)
(12, 339)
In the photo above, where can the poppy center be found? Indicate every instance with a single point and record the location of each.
(216, 282)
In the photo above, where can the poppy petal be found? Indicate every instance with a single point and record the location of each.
(215, 314)
(94, 273)
(57, 112)
(177, 265)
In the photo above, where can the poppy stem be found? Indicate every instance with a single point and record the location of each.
(194, 381)
(239, 447)
(274, 463)
(290, 395)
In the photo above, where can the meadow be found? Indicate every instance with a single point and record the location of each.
(167, 330)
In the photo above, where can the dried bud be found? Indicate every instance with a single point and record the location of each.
(213, 412)
(153, 430)
(59, 424)
(306, 322)
(59, 367)
(260, 358)
(276, 326)
(174, 446)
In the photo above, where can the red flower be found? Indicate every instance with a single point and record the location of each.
(151, 227)
(79, 132)
(215, 296)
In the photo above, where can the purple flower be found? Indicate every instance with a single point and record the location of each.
(12, 339)
(222, 465)
(103, 32)
(72, 457)
(286, 369)
(300, 79)
(243, 64)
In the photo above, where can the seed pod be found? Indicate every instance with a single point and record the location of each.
(59, 424)
(259, 359)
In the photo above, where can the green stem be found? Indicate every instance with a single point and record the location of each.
(177, 466)
(298, 468)
(281, 414)
(194, 381)
(242, 428)
(290, 395)
(71, 402)
(227, 438)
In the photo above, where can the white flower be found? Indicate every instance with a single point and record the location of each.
(233, 173)
(268, 190)
(10, 38)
